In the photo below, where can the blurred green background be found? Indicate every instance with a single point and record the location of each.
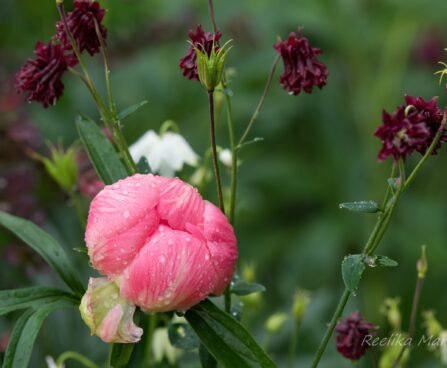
(318, 149)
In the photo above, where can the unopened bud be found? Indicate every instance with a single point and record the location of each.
(432, 325)
(391, 310)
(276, 322)
(109, 315)
(422, 264)
(300, 302)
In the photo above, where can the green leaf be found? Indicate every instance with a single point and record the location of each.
(130, 110)
(182, 336)
(33, 297)
(101, 152)
(206, 359)
(44, 244)
(352, 269)
(361, 206)
(246, 288)
(121, 354)
(25, 333)
(143, 166)
(225, 338)
(381, 261)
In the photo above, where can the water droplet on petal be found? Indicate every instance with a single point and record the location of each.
(126, 214)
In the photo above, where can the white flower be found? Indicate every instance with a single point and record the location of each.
(51, 363)
(226, 157)
(165, 154)
(163, 348)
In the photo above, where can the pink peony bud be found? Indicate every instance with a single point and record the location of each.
(164, 245)
(107, 314)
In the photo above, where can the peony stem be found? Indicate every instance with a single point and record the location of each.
(75, 356)
(151, 325)
(260, 103)
(214, 151)
(378, 233)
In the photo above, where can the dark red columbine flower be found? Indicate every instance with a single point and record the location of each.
(302, 70)
(81, 23)
(411, 127)
(351, 338)
(202, 40)
(41, 77)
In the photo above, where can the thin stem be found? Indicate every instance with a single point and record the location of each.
(152, 324)
(413, 317)
(213, 18)
(293, 343)
(234, 159)
(338, 311)
(214, 151)
(260, 103)
(75, 356)
(77, 206)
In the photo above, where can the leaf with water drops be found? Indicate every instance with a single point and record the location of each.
(182, 336)
(352, 269)
(361, 206)
(246, 288)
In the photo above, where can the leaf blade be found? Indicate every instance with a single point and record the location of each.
(360, 206)
(352, 267)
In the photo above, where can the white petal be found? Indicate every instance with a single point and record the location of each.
(144, 145)
(225, 157)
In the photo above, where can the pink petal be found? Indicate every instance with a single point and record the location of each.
(172, 272)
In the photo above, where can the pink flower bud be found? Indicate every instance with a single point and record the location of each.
(164, 245)
(107, 314)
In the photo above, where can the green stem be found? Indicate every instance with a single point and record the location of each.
(214, 151)
(330, 329)
(75, 356)
(293, 343)
(213, 18)
(260, 103)
(77, 206)
(233, 185)
(152, 324)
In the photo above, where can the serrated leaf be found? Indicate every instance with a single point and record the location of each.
(384, 261)
(25, 333)
(225, 338)
(130, 110)
(33, 297)
(101, 152)
(352, 269)
(246, 288)
(182, 336)
(44, 244)
(361, 206)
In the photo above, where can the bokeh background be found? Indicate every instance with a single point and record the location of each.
(318, 150)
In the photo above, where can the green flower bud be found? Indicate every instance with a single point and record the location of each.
(391, 310)
(300, 302)
(109, 315)
(210, 67)
(249, 272)
(61, 166)
(422, 265)
(432, 325)
(276, 322)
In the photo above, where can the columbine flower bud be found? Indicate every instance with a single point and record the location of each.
(276, 322)
(422, 265)
(210, 66)
(108, 315)
(300, 302)
(61, 166)
(432, 325)
(391, 310)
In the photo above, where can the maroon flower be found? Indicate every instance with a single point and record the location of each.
(81, 23)
(302, 70)
(352, 334)
(411, 127)
(41, 77)
(202, 40)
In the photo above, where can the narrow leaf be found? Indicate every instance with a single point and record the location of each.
(352, 269)
(28, 333)
(101, 152)
(182, 336)
(14, 339)
(225, 338)
(361, 206)
(121, 354)
(206, 359)
(44, 244)
(130, 110)
(246, 288)
(33, 297)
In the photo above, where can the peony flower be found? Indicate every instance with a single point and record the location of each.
(164, 245)
(108, 314)
(411, 127)
(302, 70)
(81, 23)
(351, 334)
(166, 154)
(41, 77)
(203, 41)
